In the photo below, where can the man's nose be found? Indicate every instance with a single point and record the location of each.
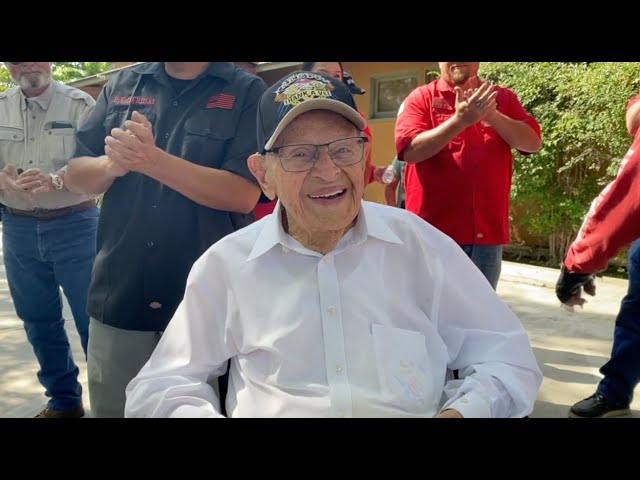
(324, 166)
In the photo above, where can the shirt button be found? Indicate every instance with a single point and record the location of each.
(167, 135)
(175, 104)
(150, 243)
(331, 310)
(153, 206)
(328, 258)
(338, 368)
(480, 235)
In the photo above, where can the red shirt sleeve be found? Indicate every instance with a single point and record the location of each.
(630, 104)
(413, 119)
(370, 166)
(633, 101)
(511, 106)
(613, 220)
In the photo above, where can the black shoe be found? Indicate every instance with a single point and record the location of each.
(77, 412)
(596, 406)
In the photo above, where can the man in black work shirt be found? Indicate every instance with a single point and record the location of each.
(174, 169)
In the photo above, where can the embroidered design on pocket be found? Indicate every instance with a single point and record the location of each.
(409, 380)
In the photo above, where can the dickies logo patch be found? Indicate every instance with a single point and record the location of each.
(439, 102)
(134, 100)
(222, 100)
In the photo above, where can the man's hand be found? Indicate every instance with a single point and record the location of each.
(34, 181)
(133, 148)
(113, 169)
(475, 104)
(449, 413)
(377, 174)
(8, 179)
(570, 285)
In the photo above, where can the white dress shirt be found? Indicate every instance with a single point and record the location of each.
(371, 329)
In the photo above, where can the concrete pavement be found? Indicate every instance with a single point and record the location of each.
(570, 347)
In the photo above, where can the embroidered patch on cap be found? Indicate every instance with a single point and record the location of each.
(301, 87)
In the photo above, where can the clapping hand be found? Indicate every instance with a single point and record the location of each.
(133, 148)
(476, 103)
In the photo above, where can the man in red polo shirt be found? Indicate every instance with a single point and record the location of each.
(456, 135)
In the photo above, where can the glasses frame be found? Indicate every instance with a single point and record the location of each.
(276, 151)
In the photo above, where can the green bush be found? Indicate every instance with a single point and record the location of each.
(581, 107)
(62, 71)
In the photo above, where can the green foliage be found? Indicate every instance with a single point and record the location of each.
(5, 78)
(62, 71)
(581, 107)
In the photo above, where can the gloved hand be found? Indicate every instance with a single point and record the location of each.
(570, 285)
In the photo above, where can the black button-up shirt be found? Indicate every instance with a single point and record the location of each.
(150, 235)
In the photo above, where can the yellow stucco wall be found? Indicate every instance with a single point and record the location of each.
(383, 141)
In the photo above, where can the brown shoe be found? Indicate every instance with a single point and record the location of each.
(77, 412)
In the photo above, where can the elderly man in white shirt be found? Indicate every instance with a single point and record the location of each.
(301, 303)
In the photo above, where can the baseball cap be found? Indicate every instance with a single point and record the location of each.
(298, 93)
(350, 82)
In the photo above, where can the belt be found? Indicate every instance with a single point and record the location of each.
(46, 214)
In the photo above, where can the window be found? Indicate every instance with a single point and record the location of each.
(389, 91)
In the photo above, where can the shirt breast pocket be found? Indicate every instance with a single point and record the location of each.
(11, 145)
(11, 134)
(403, 369)
(206, 140)
(61, 143)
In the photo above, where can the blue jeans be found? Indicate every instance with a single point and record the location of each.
(40, 256)
(488, 258)
(622, 371)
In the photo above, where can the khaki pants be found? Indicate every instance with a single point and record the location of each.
(114, 357)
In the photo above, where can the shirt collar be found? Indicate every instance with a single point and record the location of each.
(443, 86)
(44, 99)
(368, 224)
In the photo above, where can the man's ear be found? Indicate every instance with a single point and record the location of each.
(258, 165)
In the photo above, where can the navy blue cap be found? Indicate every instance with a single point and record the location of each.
(298, 93)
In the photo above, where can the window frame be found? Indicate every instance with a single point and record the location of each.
(375, 81)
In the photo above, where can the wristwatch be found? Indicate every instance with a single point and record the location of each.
(57, 181)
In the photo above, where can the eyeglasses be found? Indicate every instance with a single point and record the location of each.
(301, 158)
(15, 63)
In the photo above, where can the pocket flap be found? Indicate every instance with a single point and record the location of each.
(11, 134)
(204, 126)
(62, 131)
